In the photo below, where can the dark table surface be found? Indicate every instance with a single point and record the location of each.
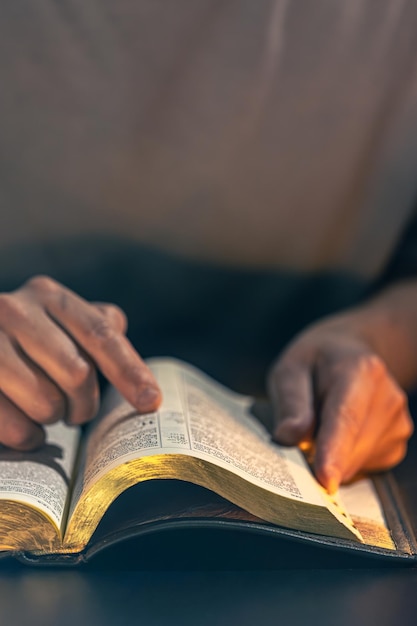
(326, 597)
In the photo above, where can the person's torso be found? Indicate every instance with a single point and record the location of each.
(274, 134)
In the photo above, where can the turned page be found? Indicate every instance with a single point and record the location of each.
(42, 478)
(199, 418)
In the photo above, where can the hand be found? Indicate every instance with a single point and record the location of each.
(51, 343)
(329, 385)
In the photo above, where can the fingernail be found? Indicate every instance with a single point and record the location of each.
(148, 399)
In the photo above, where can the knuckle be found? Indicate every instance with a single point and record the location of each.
(115, 316)
(50, 410)
(20, 436)
(101, 331)
(371, 365)
(79, 372)
(122, 317)
(12, 310)
(6, 303)
(42, 284)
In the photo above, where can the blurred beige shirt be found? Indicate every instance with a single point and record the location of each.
(267, 133)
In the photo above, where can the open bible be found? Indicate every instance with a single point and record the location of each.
(55, 502)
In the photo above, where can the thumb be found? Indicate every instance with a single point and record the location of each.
(290, 389)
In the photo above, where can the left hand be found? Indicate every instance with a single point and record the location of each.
(329, 385)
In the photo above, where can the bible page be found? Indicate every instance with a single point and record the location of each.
(362, 502)
(200, 418)
(42, 478)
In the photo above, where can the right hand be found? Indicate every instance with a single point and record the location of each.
(51, 344)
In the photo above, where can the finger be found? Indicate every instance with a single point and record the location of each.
(344, 412)
(388, 455)
(26, 385)
(17, 431)
(290, 389)
(384, 437)
(56, 354)
(115, 316)
(110, 350)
